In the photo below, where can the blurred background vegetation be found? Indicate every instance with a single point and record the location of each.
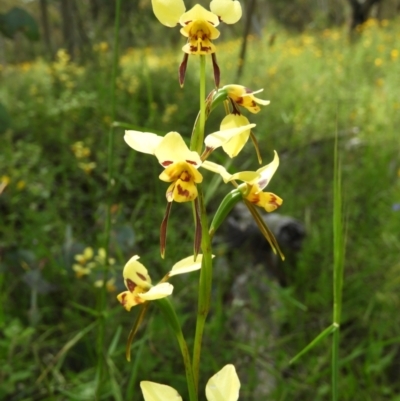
(327, 66)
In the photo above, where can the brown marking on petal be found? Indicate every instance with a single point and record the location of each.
(211, 23)
(166, 163)
(205, 48)
(273, 201)
(123, 300)
(188, 22)
(263, 183)
(253, 103)
(193, 49)
(141, 276)
(247, 90)
(182, 192)
(131, 285)
(191, 162)
(139, 300)
(185, 176)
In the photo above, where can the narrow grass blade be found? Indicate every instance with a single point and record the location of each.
(329, 330)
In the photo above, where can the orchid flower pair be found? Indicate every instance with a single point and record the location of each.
(198, 26)
(223, 386)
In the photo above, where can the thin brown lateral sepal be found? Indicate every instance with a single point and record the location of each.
(217, 71)
(182, 69)
(163, 229)
(265, 231)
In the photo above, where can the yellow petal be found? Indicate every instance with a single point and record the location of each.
(266, 172)
(219, 138)
(168, 12)
(199, 46)
(173, 149)
(236, 143)
(144, 142)
(182, 191)
(128, 300)
(136, 275)
(157, 292)
(199, 13)
(224, 385)
(181, 170)
(186, 265)
(267, 200)
(228, 11)
(158, 392)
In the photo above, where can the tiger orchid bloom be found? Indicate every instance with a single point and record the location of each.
(180, 163)
(256, 181)
(138, 281)
(244, 97)
(223, 386)
(198, 26)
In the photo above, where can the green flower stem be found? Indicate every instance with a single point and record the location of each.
(170, 315)
(204, 287)
(196, 143)
(110, 182)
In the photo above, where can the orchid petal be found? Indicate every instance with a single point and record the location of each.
(266, 172)
(198, 13)
(157, 292)
(218, 169)
(182, 170)
(128, 300)
(168, 12)
(186, 265)
(158, 392)
(173, 149)
(145, 142)
(135, 274)
(224, 385)
(228, 11)
(182, 191)
(236, 143)
(219, 138)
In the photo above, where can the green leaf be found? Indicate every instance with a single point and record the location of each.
(19, 20)
(5, 120)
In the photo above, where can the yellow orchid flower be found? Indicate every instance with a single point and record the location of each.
(198, 25)
(244, 97)
(180, 163)
(256, 181)
(223, 386)
(138, 281)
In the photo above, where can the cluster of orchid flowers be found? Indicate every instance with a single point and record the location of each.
(182, 171)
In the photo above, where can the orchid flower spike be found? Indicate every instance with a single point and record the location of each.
(138, 281)
(223, 386)
(198, 26)
(256, 181)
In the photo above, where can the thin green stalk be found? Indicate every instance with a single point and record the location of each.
(338, 268)
(196, 143)
(204, 287)
(110, 182)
